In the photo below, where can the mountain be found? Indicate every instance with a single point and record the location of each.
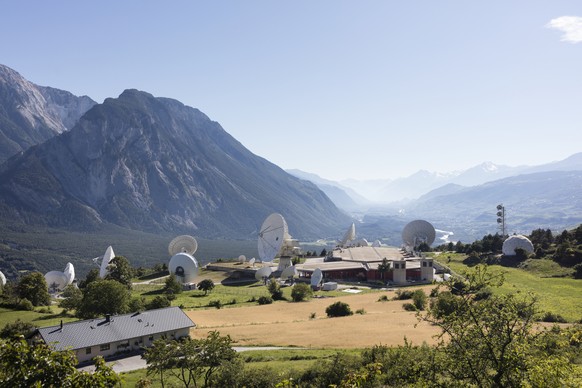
(31, 114)
(343, 197)
(153, 164)
(550, 199)
(571, 163)
(485, 172)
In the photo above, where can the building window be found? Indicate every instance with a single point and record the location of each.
(104, 347)
(151, 338)
(87, 350)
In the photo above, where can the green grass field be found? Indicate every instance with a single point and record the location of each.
(558, 295)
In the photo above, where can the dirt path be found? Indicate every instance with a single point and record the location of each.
(290, 324)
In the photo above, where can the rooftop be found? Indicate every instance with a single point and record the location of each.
(91, 332)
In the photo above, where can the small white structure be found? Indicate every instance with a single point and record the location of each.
(184, 266)
(329, 286)
(514, 242)
(2, 279)
(426, 269)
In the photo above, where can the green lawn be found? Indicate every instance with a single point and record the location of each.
(558, 295)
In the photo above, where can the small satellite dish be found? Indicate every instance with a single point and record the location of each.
(184, 266)
(271, 236)
(183, 244)
(2, 279)
(56, 281)
(377, 244)
(252, 262)
(316, 277)
(263, 273)
(418, 232)
(69, 273)
(242, 258)
(289, 272)
(107, 257)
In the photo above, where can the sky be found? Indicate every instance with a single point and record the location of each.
(343, 89)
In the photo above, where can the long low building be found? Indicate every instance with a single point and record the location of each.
(364, 264)
(116, 334)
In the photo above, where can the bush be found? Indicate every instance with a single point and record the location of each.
(551, 317)
(361, 311)
(25, 305)
(158, 302)
(409, 307)
(275, 290)
(383, 298)
(215, 303)
(338, 309)
(419, 299)
(265, 300)
(434, 292)
(301, 292)
(403, 294)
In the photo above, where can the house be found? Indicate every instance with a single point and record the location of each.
(117, 334)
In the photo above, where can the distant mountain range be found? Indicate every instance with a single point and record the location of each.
(31, 114)
(143, 163)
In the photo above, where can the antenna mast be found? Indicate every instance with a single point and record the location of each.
(501, 218)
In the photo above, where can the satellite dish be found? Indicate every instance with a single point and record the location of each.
(289, 272)
(377, 244)
(316, 277)
(242, 258)
(514, 242)
(252, 262)
(2, 279)
(183, 244)
(184, 266)
(271, 236)
(418, 232)
(56, 281)
(263, 273)
(107, 257)
(349, 236)
(69, 272)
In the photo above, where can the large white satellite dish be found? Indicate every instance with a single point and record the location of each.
(183, 244)
(184, 266)
(271, 236)
(316, 277)
(69, 272)
(417, 232)
(2, 279)
(107, 257)
(56, 281)
(263, 273)
(289, 272)
(350, 235)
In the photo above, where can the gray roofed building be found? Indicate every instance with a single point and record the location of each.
(117, 334)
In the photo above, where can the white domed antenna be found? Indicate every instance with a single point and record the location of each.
(263, 274)
(242, 259)
(252, 262)
(69, 273)
(271, 236)
(107, 257)
(417, 232)
(184, 266)
(183, 244)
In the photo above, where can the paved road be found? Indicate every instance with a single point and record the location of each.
(136, 362)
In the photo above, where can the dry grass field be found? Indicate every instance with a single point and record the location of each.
(290, 324)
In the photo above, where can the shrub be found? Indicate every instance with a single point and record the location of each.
(383, 298)
(312, 316)
(434, 292)
(551, 317)
(215, 303)
(403, 294)
(338, 309)
(361, 311)
(275, 290)
(409, 307)
(158, 302)
(419, 299)
(25, 304)
(301, 292)
(265, 300)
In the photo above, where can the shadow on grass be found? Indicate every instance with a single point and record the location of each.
(53, 316)
(230, 282)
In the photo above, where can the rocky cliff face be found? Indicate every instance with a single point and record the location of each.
(154, 164)
(31, 114)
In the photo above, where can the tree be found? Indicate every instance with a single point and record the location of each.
(92, 276)
(72, 298)
(419, 299)
(33, 287)
(120, 270)
(16, 329)
(172, 286)
(190, 359)
(338, 309)
(206, 285)
(24, 365)
(487, 342)
(275, 289)
(103, 297)
(383, 267)
(158, 302)
(301, 292)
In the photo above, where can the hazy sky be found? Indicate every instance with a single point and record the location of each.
(344, 89)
